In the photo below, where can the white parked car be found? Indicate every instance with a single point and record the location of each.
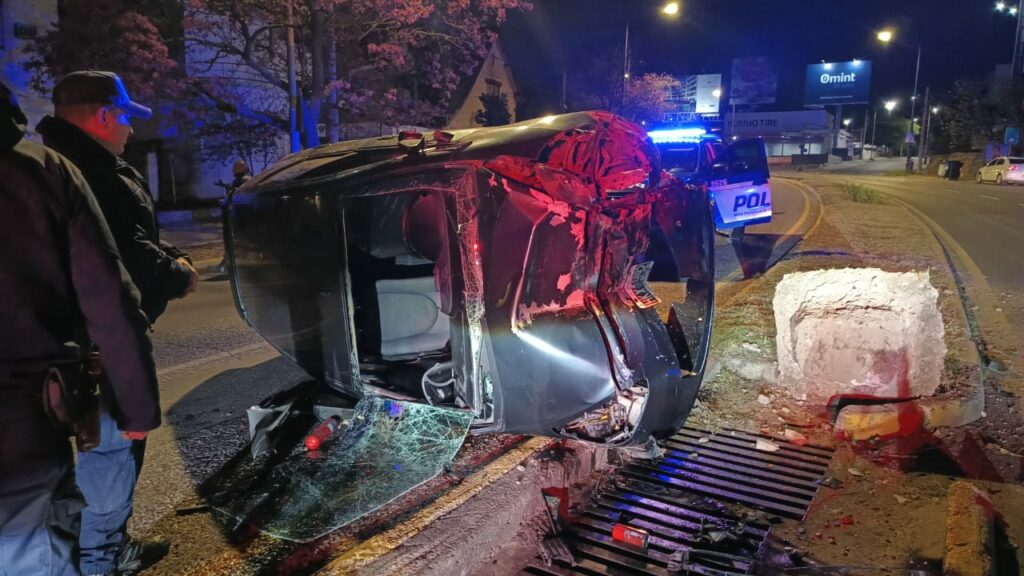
(1002, 170)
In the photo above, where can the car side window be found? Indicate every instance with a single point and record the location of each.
(1001, 161)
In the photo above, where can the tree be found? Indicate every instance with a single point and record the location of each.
(647, 97)
(391, 62)
(107, 36)
(495, 110)
(969, 117)
(597, 84)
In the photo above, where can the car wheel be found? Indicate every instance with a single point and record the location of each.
(999, 179)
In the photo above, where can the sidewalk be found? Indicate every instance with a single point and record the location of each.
(886, 501)
(203, 241)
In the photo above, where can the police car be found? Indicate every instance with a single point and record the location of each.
(736, 173)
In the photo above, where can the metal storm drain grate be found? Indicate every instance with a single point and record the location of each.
(705, 507)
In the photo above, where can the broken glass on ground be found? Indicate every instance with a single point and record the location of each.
(389, 448)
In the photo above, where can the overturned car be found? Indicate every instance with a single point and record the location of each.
(546, 277)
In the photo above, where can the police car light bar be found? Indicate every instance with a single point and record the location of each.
(676, 135)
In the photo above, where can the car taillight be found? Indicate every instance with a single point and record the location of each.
(1013, 167)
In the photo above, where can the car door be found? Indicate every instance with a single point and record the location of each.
(994, 168)
(739, 184)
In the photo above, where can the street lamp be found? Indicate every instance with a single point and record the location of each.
(717, 92)
(890, 105)
(886, 37)
(670, 9)
(1017, 11)
(846, 122)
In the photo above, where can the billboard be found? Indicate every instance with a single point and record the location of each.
(753, 81)
(696, 94)
(831, 83)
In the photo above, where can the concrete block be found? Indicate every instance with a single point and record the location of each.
(858, 332)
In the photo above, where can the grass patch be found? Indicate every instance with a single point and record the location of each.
(861, 193)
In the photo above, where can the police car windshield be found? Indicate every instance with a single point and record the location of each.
(679, 157)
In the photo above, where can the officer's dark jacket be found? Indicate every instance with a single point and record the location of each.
(58, 268)
(128, 208)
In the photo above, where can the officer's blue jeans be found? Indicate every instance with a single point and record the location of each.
(39, 503)
(107, 475)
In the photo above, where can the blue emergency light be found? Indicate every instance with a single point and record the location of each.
(674, 135)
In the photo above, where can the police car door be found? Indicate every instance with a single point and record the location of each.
(739, 184)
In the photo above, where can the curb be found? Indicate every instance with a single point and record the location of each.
(970, 532)
(495, 513)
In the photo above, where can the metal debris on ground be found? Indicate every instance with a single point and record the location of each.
(709, 515)
(830, 482)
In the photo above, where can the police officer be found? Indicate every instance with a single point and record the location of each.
(91, 125)
(59, 275)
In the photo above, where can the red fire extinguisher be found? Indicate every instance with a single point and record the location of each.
(635, 536)
(322, 432)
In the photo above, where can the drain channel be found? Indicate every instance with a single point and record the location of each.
(707, 506)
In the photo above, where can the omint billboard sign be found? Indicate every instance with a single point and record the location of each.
(831, 83)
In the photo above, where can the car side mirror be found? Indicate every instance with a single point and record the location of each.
(720, 168)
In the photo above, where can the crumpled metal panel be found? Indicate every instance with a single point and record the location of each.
(390, 448)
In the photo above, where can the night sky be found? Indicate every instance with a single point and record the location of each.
(965, 38)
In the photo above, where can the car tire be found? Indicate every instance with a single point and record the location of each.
(999, 179)
(978, 177)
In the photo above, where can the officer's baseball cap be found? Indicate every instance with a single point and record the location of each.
(97, 87)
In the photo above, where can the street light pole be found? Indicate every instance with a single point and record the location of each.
(1014, 71)
(669, 9)
(913, 97)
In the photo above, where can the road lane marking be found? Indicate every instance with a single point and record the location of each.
(989, 197)
(803, 189)
(213, 358)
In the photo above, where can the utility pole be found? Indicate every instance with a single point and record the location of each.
(293, 90)
(864, 133)
(924, 132)
(874, 128)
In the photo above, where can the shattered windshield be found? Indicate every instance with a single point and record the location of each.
(389, 448)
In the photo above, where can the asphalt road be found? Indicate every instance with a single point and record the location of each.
(985, 220)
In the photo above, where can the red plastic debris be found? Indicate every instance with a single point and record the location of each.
(846, 520)
(633, 536)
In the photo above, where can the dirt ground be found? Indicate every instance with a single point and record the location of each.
(888, 507)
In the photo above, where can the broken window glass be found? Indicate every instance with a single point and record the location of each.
(389, 448)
